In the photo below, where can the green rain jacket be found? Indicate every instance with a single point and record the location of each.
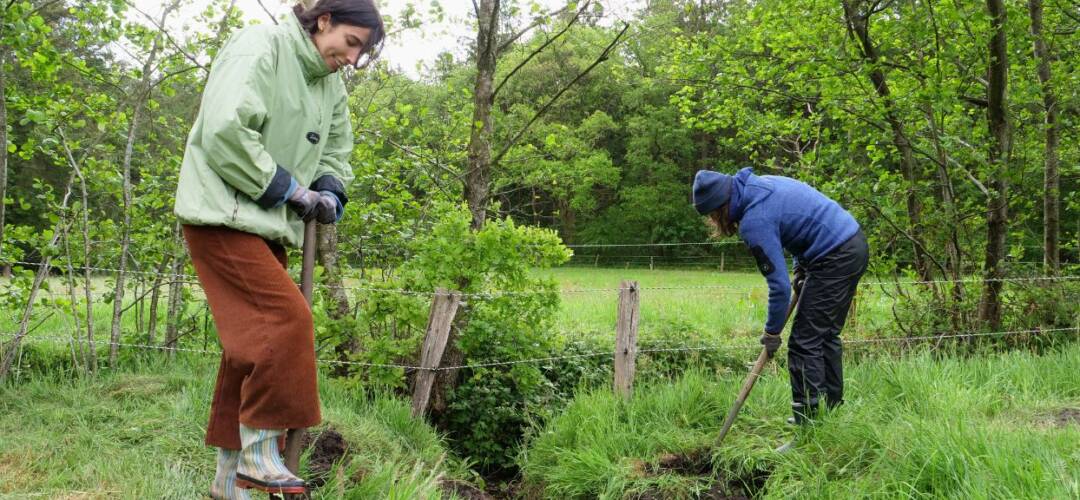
(272, 117)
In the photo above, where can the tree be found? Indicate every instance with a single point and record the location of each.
(857, 14)
(999, 150)
(1051, 181)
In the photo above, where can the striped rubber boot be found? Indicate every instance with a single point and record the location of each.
(224, 487)
(260, 464)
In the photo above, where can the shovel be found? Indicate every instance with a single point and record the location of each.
(307, 284)
(753, 376)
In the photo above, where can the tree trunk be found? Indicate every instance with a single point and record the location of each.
(155, 294)
(12, 350)
(88, 291)
(91, 362)
(328, 257)
(478, 176)
(859, 29)
(569, 221)
(1051, 188)
(81, 356)
(953, 256)
(3, 152)
(998, 201)
(176, 290)
(125, 238)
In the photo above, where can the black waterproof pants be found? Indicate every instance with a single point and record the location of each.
(814, 348)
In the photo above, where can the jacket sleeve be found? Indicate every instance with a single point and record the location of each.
(763, 238)
(334, 171)
(234, 110)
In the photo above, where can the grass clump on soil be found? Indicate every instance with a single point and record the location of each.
(998, 426)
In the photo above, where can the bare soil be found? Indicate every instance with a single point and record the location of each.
(699, 463)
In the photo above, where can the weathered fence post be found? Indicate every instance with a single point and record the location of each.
(626, 338)
(722, 261)
(444, 306)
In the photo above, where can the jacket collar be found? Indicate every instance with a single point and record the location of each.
(311, 63)
(738, 184)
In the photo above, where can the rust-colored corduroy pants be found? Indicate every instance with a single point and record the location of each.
(267, 377)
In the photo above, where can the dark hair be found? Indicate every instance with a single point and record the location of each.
(721, 222)
(360, 13)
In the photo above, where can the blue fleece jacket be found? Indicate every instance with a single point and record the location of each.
(779, 213)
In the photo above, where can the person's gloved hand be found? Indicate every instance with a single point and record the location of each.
(326, 211)
(305, 202)
(800, 279)
(771, 342)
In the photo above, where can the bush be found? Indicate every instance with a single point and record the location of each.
(506, 316)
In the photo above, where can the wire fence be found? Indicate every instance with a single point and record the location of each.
(672, 346)
(189, 279)
(592, 354)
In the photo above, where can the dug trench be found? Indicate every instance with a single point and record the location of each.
(724, 485)
(327, 447)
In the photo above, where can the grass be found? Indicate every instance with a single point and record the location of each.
(674, 303)
(704, 305)
(138, 433)
(916, 427)
(700, 304)
(919, 427)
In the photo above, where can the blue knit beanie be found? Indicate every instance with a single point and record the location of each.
(711, 191)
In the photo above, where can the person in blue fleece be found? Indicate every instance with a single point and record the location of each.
(773, 214)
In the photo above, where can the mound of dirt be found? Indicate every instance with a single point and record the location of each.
(696, 463)
(328, 448)
(464, 490)
(1068, 416)
(699, 463)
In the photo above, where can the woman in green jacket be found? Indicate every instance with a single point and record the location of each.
(268, 151)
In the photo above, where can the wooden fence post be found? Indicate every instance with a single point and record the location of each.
(626, 329)
(722, 254)
(444, 306)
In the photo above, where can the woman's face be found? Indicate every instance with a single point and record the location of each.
(341, 44)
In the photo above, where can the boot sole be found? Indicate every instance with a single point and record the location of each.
(283, 487)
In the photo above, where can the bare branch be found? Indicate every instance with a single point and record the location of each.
(490, 49)
(168, 36)
(37, 9)
(1075, 16)
(603, 57)
(167, 76)
(94, 76)
(411, 152)
(267, 11)
(974, 180)
(914, 241)
(537, 51)
(536, 22)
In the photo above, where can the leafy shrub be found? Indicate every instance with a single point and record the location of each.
(506, 316)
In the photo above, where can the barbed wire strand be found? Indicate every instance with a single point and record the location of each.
(192, 280)
(706, 347)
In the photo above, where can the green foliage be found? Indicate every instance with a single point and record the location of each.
(507, 315)
(488, 410)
